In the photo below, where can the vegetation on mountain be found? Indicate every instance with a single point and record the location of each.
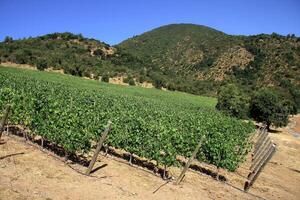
(203, 59)
(232, 101)
(183, 57)
(74, 54)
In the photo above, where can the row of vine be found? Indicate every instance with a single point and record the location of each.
(74, 117)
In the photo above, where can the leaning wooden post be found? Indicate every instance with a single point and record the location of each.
(258, 153)
(254, 175)
(4, 119)
(260, 134)
(261, 142)
(99, 146)
(255, 135)
(187, 165)
(261, 157)
(261, 160)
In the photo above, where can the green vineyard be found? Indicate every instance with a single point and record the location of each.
(72, 112)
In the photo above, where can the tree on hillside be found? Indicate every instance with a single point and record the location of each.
(8, 39)
(105, 78)
(232, 101)
(269, 106)
(41, 64)
(129, 80)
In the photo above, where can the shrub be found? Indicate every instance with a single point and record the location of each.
(232, 101)
(105, 78)
(131, 81)
(8, 39)
(41, 64)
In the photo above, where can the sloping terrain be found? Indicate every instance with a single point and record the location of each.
(201, 57)
(185, 57)
(29, 173)
(74, 54)
(71, 112)
(180, 46)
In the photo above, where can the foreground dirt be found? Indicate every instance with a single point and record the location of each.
(26, 172)
(281, 177)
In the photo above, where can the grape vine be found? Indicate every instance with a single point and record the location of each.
(74, 117)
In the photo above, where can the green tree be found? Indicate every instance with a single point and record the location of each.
(270, 107)
(105, 78)
(232, 101)
(131, 81)
(8, 39)
(41, 64)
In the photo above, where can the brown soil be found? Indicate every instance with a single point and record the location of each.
(297, 124)
(22, 66)
(51, 69)
(32, 67)
(119, 80)
(27, 172)
(237, 56)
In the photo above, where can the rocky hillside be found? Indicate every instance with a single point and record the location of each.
(203, 53)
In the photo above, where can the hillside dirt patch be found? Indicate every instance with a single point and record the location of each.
(234, 57)
(27, 172)
(22, 66)
(297, 124)
(119, 80)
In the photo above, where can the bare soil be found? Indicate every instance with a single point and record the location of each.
(27, 172)
(119, 80)
(297, 124)
(22, 66)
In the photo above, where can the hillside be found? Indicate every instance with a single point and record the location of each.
(180, 47)
(74, 54)
(202, 59)
(184, 57)
(200, 53)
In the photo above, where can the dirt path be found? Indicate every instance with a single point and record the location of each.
(26, 172)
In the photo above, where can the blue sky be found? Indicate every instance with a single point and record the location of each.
(112, 21)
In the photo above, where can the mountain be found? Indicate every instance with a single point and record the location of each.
(181, 47)
(185, 57)
(199, 59)
(201, 53)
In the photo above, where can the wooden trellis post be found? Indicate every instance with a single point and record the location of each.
(261, 157)
(261, 150)
(99, 146)
(187, 165)
(260, 140)
(4, 119)
(258, 169)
